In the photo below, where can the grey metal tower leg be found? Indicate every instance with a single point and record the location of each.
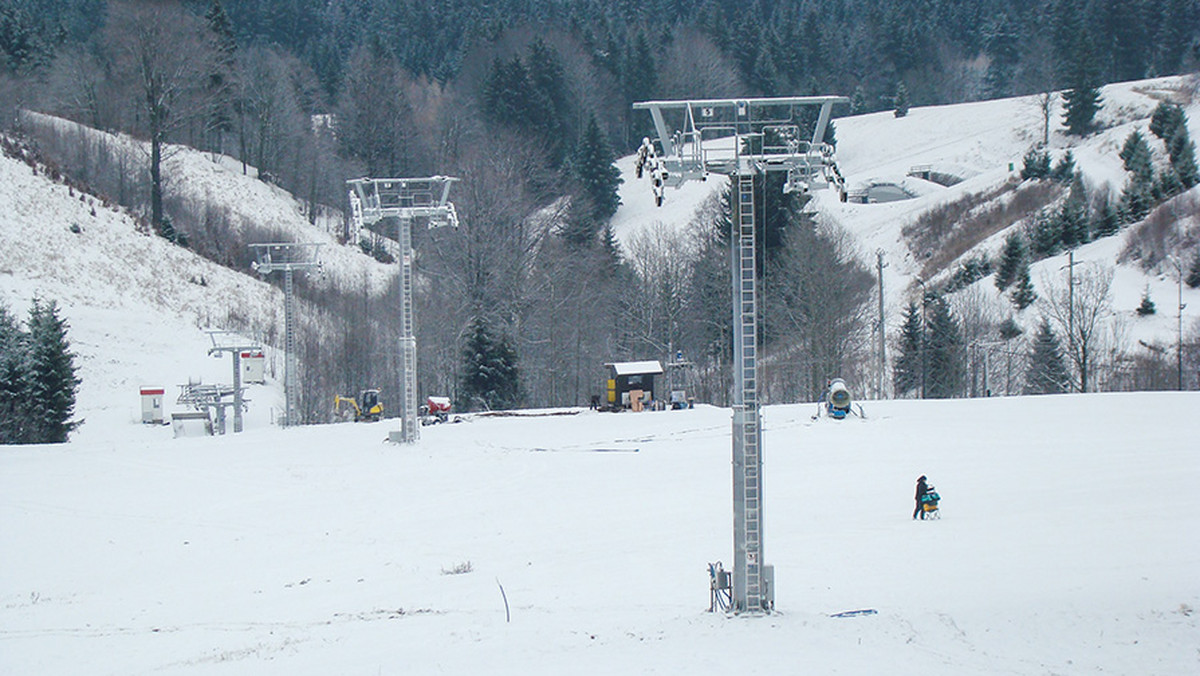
(747, 434)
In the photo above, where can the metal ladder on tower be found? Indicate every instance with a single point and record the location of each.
(291, 375)
(752, 481)
(356, 217)
(408, 340)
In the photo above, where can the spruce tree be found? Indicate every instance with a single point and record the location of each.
(1064, 171)
(549, 100)
(1072, 224)
(1168, 185)
(1193, 278)
(1183, 157)
(1166, 120)
(1009, 329)
(51, 382)
(1036, 164)
(1003, 47)
(1081, 101)
(13, 383)
(594, 170)
(1147, 307)
(906, 373)
(1023, 295)
(1106, 221)
(1047, 372)
(1137, 198)
(901, 100)
(1011, 259)
(639, 82)
(858, 102)
(944, 360)
(1046, 236)
(610, 250)
(490, 375)
(1135, 154)
(221, 77)
(506, 93)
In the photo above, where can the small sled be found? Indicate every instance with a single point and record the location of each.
(929, 504)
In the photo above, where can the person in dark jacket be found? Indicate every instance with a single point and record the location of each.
(922, 489)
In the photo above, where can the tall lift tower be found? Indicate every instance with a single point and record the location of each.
(406, 200)
(742, 138)
(289, 258)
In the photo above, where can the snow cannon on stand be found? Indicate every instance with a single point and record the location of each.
(836, 401)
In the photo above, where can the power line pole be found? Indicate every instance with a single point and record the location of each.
(1071, 312)
(1179, 327)
(879, 266)
(923, 337)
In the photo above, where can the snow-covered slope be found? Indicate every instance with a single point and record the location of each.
(199, 178)
(1067, 545)
(981, 143)
(137, 306)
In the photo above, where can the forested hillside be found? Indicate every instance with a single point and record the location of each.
(530, 101)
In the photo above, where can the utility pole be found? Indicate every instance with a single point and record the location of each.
(879, 266)
(921, 345)
(1071, 310)
(1179, 326)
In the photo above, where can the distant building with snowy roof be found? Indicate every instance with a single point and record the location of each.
(634, 378)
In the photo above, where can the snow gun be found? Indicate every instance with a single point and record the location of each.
(837, 401)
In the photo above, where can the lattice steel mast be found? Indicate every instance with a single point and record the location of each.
(742, 138)
(405, 199)
(288, 257)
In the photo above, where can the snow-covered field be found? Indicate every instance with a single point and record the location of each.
(1068, 545)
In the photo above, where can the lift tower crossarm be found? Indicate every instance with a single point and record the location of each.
(744, 109)
(228, 341)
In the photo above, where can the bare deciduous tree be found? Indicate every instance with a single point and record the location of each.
(818, 296)
(654, 309)
(162, 56)
(1081, 315)
(694, 67)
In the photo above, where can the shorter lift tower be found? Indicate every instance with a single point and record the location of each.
(228, 341)
(406, 200)
(743, 138)
(288, 257)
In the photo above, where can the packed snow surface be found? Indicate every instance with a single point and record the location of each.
(578, 544)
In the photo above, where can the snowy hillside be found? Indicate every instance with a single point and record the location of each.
(205, 180)
(974, 142)
(1067, 545)
(137, 306)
